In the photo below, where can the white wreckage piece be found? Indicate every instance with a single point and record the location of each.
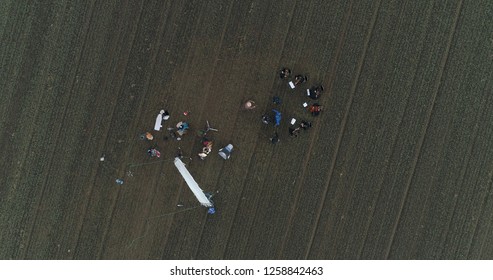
(159, 119)
(192, 184)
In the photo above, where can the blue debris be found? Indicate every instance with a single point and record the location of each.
(278, 117)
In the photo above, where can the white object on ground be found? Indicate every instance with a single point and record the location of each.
(293, 121)
(225, 152)
(307, 92)
(291, 84)
(159, 119)
(305, 104)
(192, 184)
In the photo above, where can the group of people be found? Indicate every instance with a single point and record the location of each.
(176, 133)
(274, 116)
(313, 93)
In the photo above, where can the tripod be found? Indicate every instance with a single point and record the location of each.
(208, 128)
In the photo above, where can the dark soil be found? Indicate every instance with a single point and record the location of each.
(399, 165)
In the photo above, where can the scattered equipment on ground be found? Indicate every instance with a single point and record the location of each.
(159, 119)
(192, 184)
(225, 152)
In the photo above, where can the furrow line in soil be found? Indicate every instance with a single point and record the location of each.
(343, 127)
(424, 131)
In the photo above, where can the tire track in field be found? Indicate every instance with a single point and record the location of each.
(245, 32)
(245, 182)
(107, 246)
(143, 115)
(190, 30)
(187, 61)
(425, 128)
(488, 229)
(463, 171)
(206, 95)
(15, 33)
(15, 68)
(256, 142)
(111, 74)
(483, 115)
(95, 176)
(392, 150)
(6, 8)
(12, 33)
(484, 206)
(103, 246)
(297, 52)
(258, 194)
(343, 127)
(145, 230)
(182, 193)
(50, 161)
(486, 198)
(188, 145)
(37, 52)
(394, 142)
(332, 71)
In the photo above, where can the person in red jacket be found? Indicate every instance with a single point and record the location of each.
(315, 109)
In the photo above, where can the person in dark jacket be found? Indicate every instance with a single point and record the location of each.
(315, 92)
(305, 125)
(293, 132)
(274, 139)
(299, 79)
(285, 73)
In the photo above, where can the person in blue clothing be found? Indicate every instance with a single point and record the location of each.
(182, 127)
(211, 209)
(277, 117)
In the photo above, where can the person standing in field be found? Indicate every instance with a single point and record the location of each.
(315, 92)
(274, 139)
(249, 105)
(149, 136)
(285, 73)
(305, 125)
(315, 109)
(293, 132)
(299, 79)
(153, 152)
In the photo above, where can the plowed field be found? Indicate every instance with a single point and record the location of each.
(399, 165)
